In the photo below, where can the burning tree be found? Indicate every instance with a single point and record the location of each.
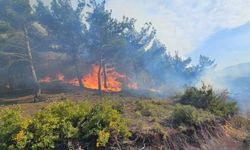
(105, 39)
(66, 29)
(85, 33)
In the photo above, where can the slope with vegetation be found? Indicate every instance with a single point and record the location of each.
(118, 122)
(43, 40)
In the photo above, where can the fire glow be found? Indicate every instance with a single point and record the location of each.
(113, 84)
(114, 80)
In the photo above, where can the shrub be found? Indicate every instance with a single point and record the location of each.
(156, 109)
(187, 115)
(246, 143)
(206, 99)
(102, 124)
(57, 123)
(240, 122)
(61, 122)
(10, 126)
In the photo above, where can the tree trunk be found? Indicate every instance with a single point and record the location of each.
(104, 75)
(79, 77)
(37, 89)
(10, 80)
(99, 78)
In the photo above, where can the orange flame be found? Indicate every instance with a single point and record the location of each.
(113, 80)
(60, 77)
(45, 80)
(90, 80)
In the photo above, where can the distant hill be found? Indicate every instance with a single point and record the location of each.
(240, 70)
(237, 79)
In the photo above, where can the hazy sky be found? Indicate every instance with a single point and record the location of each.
(191, 26)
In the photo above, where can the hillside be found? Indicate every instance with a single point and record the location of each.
(237, 80)
(150, 122)
(75, 76)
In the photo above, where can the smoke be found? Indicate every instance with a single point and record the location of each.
(235, 79)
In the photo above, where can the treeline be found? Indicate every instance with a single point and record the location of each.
(85, 32)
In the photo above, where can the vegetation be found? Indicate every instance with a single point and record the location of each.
(78, 36)
(179, 116)
(18, 16)
(242, 124)
(184, 116)
(60, 123)
(112, 122)
(10, 126)
(207, 99)
(157, 110)
(81, 35)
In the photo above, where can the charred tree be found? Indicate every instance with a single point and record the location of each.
(78, 74)
(104, 75)
(10, 80)
(37, 89)
(99, 78)
(65, 26)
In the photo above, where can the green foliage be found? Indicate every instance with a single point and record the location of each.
(4, 27)
(156, 109)
(240, 122)
(56, 123)
(60, 123)
(206, 99)
(10, 125)
(187, 115)
(16, 12)
(103, 123)
(246, 144)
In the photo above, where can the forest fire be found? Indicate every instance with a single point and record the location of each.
(133, 86)
(59, 77)
(114, 80)
(47, 79)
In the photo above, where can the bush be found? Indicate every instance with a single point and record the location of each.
(10, 126)
(206, 99)
(102, 124)
(246, 143)
(156, 109)
(187, 115)
(60, 123)
(57, 123)
(240, 122)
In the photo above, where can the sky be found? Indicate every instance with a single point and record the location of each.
(228, 47)
(216, 28)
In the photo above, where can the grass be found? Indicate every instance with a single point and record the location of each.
(144, 115)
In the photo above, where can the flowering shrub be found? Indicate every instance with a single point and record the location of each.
(10, 127)
(103, 123)
(59, 123)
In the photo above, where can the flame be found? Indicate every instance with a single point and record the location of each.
(90, 81)
(45, 80)
(73, 82)
(60, 77)
(133, 86)
(113, 79)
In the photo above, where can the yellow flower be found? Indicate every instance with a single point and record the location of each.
(19, 136)
(103, 138)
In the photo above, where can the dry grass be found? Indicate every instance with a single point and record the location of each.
(145, 115)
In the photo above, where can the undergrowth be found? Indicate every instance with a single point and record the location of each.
(60, 123)
(207, 99)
